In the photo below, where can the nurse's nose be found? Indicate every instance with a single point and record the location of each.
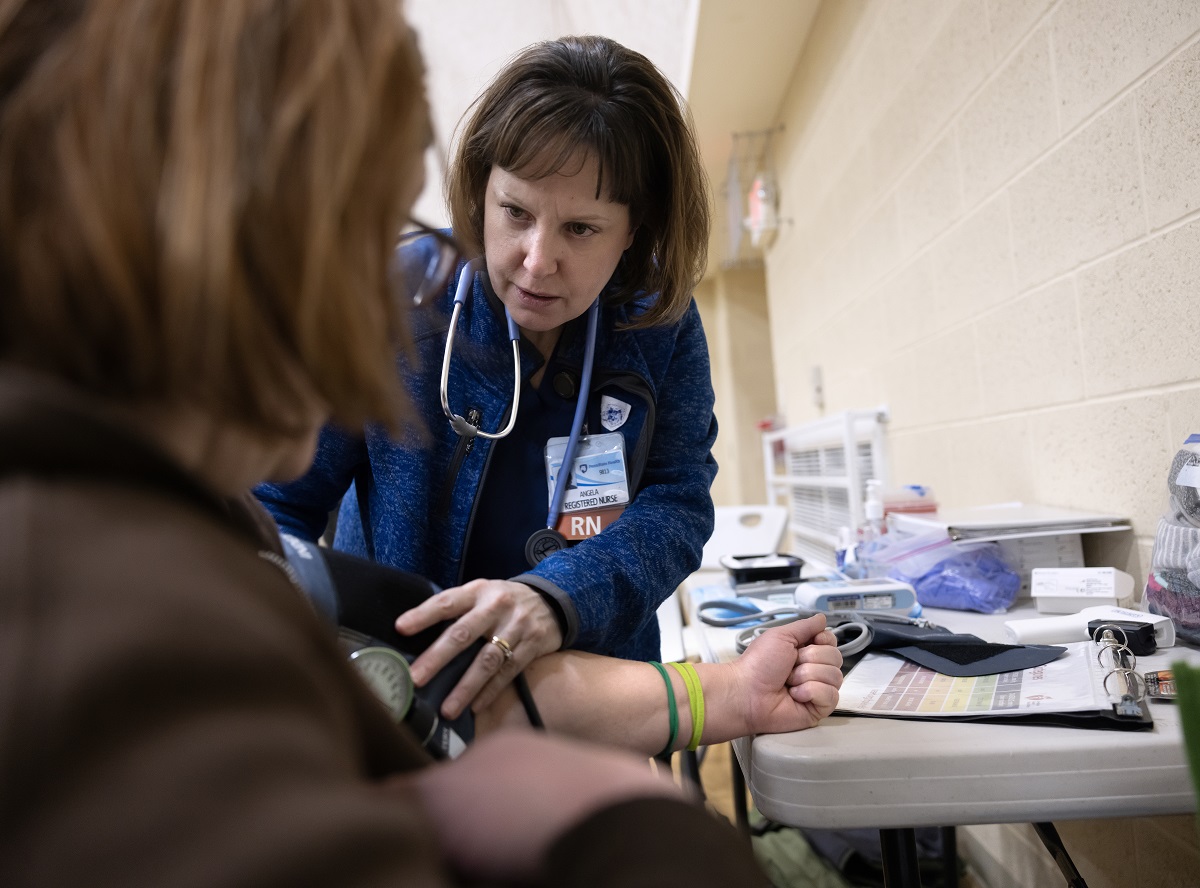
(541, 252)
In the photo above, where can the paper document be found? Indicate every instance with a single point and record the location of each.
(890, 686)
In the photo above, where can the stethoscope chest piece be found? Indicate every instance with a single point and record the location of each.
(543, 543)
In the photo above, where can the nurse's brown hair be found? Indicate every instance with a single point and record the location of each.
(554, 99)
(198, 200)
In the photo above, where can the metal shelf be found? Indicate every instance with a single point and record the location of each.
(819, 471)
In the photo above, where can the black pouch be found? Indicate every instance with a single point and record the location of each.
(955, 653)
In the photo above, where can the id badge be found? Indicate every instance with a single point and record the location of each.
(597, 488)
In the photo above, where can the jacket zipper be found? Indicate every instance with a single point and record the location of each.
(487, 462)
(464, 446)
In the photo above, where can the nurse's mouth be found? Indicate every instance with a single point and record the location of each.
(533, 297)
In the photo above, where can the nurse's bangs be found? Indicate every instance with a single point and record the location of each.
(541, 139)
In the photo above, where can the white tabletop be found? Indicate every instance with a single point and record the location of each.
(877, 772)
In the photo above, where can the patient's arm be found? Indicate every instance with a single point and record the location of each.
(787, 680)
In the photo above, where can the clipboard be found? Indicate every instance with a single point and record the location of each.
(1092, 685)
(1003, 521)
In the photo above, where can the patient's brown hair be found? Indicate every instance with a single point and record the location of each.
(198, 200)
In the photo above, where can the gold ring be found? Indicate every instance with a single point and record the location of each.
(503, 645)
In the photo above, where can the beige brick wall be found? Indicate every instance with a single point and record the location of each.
(995, 230)
(737, 326)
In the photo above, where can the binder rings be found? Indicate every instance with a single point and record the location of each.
(1093, 685)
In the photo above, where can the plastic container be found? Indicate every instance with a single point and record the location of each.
(911, 498)
(873, 511)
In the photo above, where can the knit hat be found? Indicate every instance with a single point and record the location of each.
(1173, 587)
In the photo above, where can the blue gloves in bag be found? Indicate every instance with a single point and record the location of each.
(972, 579)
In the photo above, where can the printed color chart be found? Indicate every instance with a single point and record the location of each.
(886, 685)
(915, 689)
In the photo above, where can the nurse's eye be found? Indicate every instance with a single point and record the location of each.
(581, 229)
(515, 213)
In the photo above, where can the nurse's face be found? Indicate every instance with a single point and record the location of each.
(551, 246)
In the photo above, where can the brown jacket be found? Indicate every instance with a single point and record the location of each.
(173, 714)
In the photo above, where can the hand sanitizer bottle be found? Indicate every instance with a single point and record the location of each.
(873, 511)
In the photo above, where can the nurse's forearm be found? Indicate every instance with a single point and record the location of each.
(621, 702)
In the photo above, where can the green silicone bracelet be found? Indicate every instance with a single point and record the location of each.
(672, 712)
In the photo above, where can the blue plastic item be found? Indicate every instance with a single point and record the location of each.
(973, 579)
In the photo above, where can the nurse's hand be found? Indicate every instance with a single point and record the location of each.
(513, 613)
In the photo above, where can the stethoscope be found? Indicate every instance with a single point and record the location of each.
(544, 541)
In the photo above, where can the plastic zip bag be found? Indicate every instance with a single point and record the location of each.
(945, 573)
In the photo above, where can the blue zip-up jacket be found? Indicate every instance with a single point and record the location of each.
(421, 494)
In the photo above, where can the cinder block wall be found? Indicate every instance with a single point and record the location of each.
(995, 230)
(734, 309)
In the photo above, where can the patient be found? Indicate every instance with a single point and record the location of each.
(197, 205)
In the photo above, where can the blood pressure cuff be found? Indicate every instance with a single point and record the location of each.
(366, 597)
(958, 655)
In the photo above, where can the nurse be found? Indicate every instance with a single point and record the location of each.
(568, 494)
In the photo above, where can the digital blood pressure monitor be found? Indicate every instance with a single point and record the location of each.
(826, 594)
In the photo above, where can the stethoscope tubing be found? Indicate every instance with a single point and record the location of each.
(463, 428)
(466, 280)
(585, 386)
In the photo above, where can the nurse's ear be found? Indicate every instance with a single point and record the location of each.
(632, 233)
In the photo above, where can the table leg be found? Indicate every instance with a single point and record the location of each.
(1050, 838)
(689, 766)
(737, 782)
(949, 856)
(900, 867)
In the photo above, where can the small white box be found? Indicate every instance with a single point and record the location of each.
(1068, 590)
